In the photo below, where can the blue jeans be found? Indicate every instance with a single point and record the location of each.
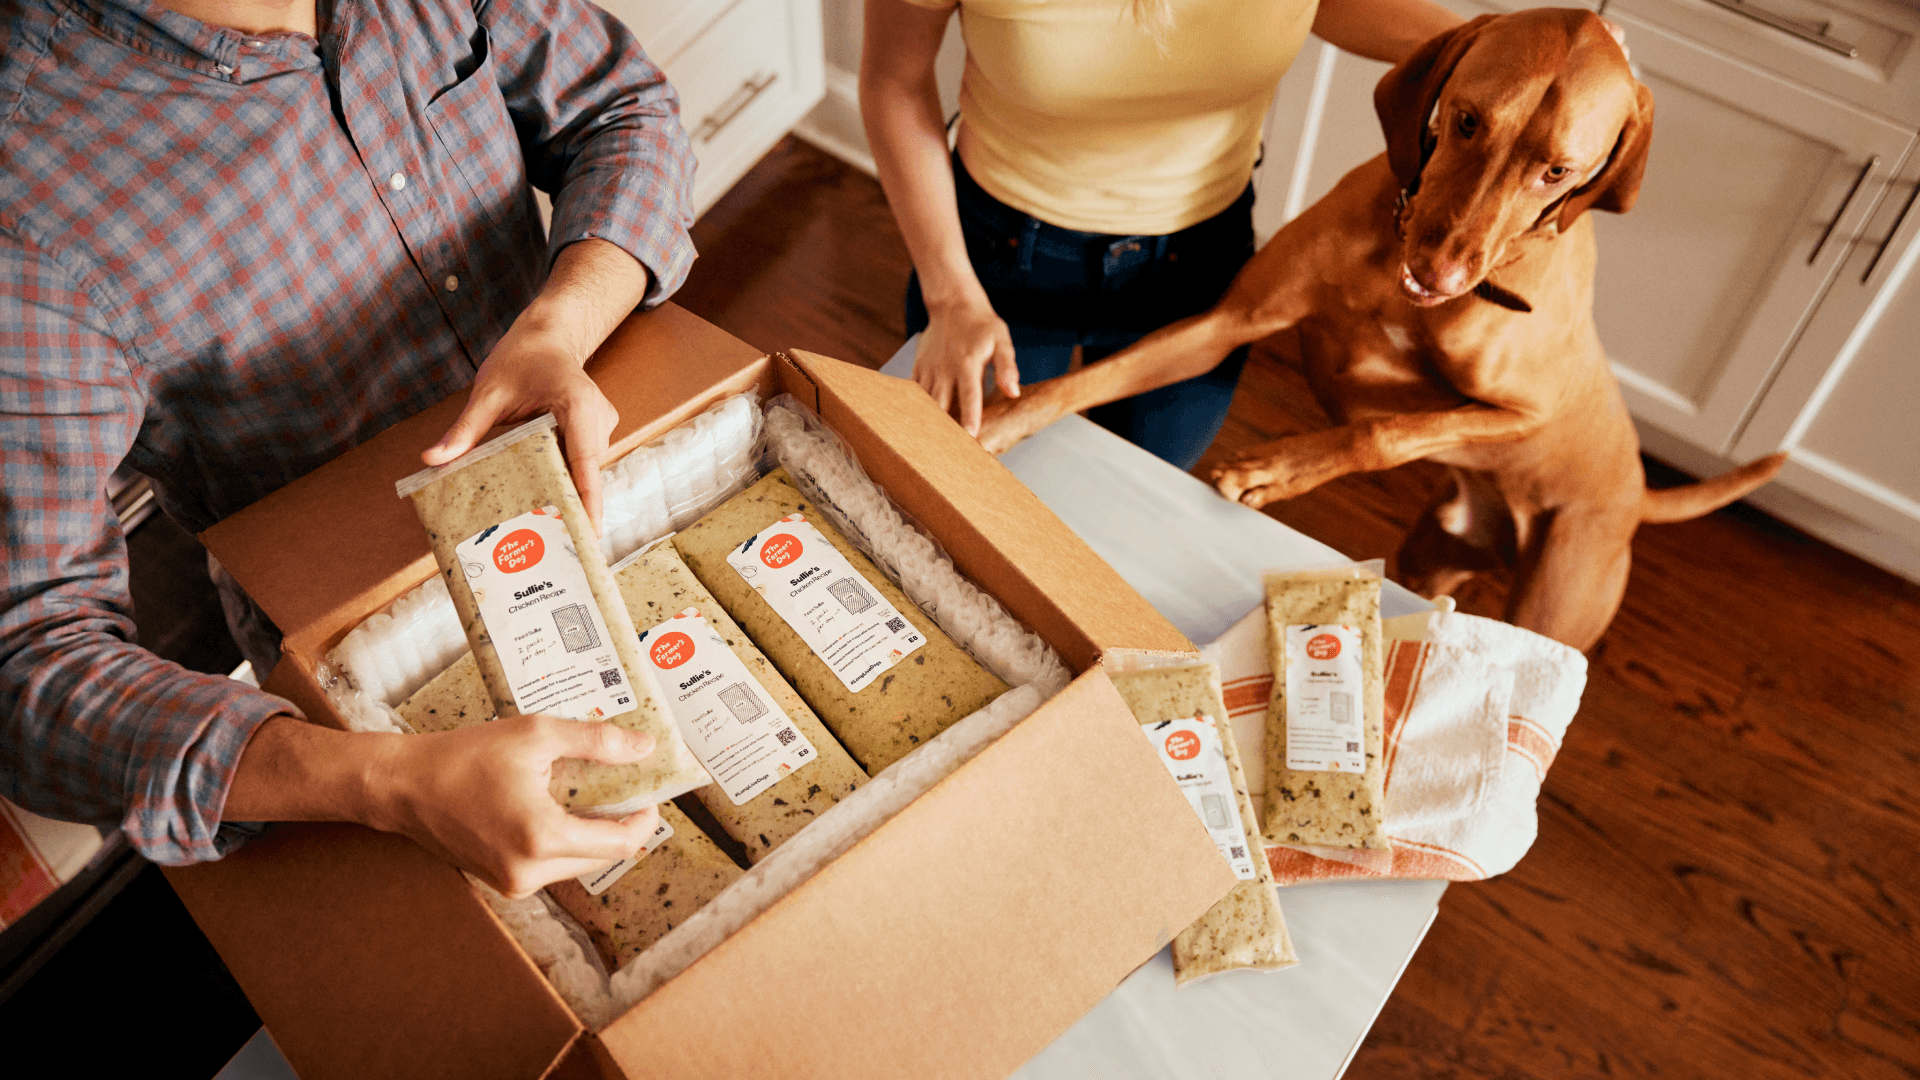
(1060, 288)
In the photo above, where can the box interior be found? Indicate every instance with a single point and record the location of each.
(923, 917)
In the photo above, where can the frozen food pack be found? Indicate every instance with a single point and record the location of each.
(876, 669)
(548, 629)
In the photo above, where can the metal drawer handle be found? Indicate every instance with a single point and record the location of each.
(1891, 233)
(1872, 163)
(1814, 33)
(733, 106)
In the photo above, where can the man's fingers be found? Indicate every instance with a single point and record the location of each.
(970, 397)
(586, 445)
(482, 412)
(598, 740)
(605, 840)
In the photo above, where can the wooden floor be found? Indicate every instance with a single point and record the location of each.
(1727, 878)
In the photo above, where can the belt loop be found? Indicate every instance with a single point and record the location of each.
(1029, 233)
(1160, 245)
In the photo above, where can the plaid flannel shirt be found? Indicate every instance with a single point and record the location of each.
(227, 258)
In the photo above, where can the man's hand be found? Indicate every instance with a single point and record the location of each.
(539, 365)
(959, 342)
(479, 799)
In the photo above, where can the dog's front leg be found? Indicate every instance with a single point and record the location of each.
(1290, 467)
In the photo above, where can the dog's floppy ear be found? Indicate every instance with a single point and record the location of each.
(1617, 185)
(1405, 97)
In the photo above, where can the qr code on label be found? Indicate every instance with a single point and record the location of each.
(1239, 853)
(1353, 748)
(786, 736)
(896, 624)
(610, 677)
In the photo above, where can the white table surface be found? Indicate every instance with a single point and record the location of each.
(1198, 558)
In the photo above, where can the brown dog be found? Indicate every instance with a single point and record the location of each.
(1443, 296)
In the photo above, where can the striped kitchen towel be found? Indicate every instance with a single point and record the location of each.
(37, 856)
(1475, 711)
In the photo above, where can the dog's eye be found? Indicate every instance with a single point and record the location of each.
(1466, 125)
(1557, 173)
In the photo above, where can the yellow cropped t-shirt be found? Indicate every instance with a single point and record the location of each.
(1070, 111)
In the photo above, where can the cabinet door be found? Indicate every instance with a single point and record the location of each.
(1752, 191)
(1847, 400)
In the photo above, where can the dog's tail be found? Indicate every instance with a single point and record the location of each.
(1689, 501)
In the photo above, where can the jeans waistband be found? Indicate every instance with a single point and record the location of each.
(1060, 242)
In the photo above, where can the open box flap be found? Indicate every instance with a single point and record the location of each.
(929, 932)
(1011, 544)
(373, 992)
(335, 545)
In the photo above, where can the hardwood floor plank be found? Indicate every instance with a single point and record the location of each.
(1726, 881)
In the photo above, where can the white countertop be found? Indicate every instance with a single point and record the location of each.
(1198, 559)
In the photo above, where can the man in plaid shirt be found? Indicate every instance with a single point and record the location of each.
(238, 237)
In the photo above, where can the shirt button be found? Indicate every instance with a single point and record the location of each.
(453, 283)
(223, 69)
(397, 181)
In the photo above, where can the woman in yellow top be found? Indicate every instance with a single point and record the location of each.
(1101, 184)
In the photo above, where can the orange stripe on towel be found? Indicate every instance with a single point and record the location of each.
(1406, 662)
(1531, 741)
(1243, 696)
(1411, 859)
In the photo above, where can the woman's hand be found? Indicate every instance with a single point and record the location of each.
(958, 344)
(479, 799)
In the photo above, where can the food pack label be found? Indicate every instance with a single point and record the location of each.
(602, 879)
(1326, 699)
(1191, 751)
(551, 638)
(838, 613)
(734, 726)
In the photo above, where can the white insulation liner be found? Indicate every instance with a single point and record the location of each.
(649, 493)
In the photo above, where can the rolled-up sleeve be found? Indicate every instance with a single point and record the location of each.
(601, 130)
(97, 729)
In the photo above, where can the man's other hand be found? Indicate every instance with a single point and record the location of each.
(479, 798)
(539, 366)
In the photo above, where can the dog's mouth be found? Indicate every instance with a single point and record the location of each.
(1418, 293)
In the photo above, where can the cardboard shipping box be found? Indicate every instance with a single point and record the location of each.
(956, 940)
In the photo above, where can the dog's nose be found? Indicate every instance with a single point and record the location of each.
(1430, 280)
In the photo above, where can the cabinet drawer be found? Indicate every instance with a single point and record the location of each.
(666, 28)
(742, 85)
(1808, 41)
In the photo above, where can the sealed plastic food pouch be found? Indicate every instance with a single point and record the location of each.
(659, 891)
(876, 669)
(548, 630)
(1181, 709)
(775, 766)
(626, 907)
(1325, 768)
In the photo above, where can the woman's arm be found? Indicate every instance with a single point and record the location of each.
(1381, 29)
(900, 106)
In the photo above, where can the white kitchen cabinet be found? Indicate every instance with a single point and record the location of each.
(1731, 298)
(746, 71)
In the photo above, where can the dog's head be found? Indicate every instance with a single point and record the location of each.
(1506, 124)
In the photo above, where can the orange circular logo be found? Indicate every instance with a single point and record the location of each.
(519, 550)
(1183, 745)
(672, 650)
(781, 550)
(1323, 646)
